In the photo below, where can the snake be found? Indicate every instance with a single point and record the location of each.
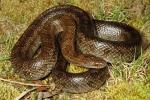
(67, 34)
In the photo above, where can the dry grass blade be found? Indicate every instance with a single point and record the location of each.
(24, 94)
(25, 84)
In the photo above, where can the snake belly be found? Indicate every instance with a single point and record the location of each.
(67, 34)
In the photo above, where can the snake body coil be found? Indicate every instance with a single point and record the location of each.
(66, 34)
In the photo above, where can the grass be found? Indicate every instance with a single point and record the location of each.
(129, 81)
(126, 91)
(8, 92)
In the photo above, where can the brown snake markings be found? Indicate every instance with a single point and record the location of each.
(66, 34)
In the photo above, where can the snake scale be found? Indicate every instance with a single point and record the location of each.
(67, 34)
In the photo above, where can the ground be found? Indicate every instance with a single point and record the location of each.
(129, 81)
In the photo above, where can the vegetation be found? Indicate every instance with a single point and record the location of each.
(129, 81)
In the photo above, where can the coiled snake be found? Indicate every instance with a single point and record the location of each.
(67, 34)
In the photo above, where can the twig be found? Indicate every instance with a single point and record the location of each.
(40, 96)
(25, 84)
(24, 94)
(44, 95)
